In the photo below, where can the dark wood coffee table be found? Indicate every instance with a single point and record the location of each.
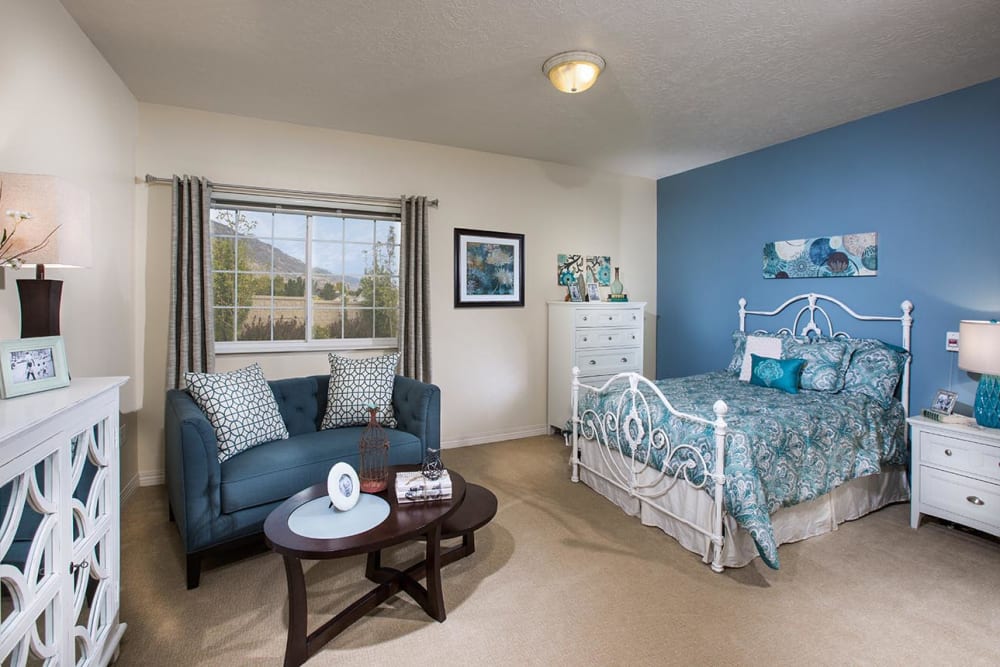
(403, 524)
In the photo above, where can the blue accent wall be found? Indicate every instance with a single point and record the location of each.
(926, 177)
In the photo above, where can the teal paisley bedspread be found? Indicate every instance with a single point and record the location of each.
(782, 449)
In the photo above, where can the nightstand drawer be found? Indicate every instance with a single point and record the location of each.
(600, 317)
(960, 495)
(960, 455)
(598, 338)
(595, 363)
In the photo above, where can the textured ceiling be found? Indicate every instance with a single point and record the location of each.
(688, 82)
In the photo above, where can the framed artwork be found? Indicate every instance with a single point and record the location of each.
(489, 268)
(567, 268)
(599, 270)
(574, 292)
(593, 292)
(342, 486)
(944, 401)
(28, 365)
(844, 256)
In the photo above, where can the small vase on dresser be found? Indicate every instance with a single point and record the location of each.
(601, 339)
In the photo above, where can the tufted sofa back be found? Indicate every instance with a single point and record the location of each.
(301, 402)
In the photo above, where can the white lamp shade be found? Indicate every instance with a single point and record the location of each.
(53, 203)
(979, 347)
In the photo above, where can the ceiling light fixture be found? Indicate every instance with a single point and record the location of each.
(573, 71)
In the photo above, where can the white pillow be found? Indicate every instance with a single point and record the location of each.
(240, 406)
(354, 384)
(762, 346)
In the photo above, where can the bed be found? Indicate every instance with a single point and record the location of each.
(733, 468)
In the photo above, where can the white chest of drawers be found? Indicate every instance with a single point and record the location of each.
(600, 338)
(955, 474)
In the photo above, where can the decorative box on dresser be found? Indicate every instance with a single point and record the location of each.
(955, 474)
(598, 337)
(59, 498)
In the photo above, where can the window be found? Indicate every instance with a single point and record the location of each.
(287, 279)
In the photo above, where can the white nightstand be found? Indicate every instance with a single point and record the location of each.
(955, 474)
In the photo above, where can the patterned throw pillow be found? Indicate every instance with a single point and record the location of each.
(780, 374)
(763, 344)
(826, 363)
(354, 383)
(875, 369)
(240, 406)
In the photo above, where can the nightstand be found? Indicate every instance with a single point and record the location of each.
(955, 474)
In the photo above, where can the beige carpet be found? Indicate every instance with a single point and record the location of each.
(563, 577)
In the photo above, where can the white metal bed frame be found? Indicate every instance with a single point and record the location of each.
(630, 423)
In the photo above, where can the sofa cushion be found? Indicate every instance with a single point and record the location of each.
(358, 384)
(299, 403)
(276, 470)
(240, 406)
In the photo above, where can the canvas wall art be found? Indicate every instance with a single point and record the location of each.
(568, 269)
(848, 255)
(489, 268)
(599, 270)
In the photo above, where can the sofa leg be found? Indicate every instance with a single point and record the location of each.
(170, 510)
(193, 570)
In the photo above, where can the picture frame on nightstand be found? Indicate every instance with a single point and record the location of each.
(944, 401)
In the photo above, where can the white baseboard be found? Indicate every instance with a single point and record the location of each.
(152, 477)
(497, 436)
(129, 489)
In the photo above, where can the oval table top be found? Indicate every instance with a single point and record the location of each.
(404, 523)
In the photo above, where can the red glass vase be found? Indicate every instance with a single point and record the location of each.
(373, 464)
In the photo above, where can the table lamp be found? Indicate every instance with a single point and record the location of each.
(53, 205)
(979, 352)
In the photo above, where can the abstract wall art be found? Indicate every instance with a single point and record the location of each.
(599, 270)
(845, 256)
(489, 268)
(568, 269)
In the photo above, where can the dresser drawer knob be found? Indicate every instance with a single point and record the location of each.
(947, 452)
(610, 338)
(584, 339)
(975, 500)
(593, 362)
(584, 318)
(610, 318)
(624, 360)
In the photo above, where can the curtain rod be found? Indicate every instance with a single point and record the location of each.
(280, 192)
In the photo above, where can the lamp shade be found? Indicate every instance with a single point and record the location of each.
(573, 71)
(979, 347)
(53, 203)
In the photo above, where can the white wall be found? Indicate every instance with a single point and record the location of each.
(490, 363)
(63, 111)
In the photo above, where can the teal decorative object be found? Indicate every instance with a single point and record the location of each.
(780, 374)
(987, 408)
(979, 352)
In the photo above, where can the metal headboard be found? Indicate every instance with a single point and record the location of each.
(809, 312)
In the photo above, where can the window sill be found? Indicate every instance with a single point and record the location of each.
(292, 346)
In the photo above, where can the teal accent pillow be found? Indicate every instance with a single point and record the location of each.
(780, 374)
(875, 369)
(740, 347)
(826, 363)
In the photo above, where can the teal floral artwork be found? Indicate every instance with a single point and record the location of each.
(489, 268)
(599, 270)
(568, 268)
(846, 256)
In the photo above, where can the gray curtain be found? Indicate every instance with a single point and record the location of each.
(191, 335)
(414, 327)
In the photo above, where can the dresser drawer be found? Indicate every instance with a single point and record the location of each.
(603, 362)
(963, 456)
(598, 338)
(960, 495)
(601, 317)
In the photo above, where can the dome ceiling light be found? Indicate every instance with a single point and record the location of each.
(573, 71)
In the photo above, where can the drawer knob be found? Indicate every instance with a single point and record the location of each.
(624, 360)
(610, 338)
(593, 362)
(584, 318)
(975, 500)
(584, 339)
(947, 452)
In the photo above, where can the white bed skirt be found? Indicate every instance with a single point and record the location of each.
(849, 501)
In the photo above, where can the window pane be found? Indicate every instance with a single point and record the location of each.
(289, 285)
(223, 324)
(253, 324)
(362, 231)
(327, 323)
(290, 324)
(289, 226)
(290, 256)
(327, 292)
(253, 255)
(358, 323)
(386, 323)
(224, 288)
(224, 253)
(387, 231)
(328, 229)
(386, 292)
(328, 258)
(253, 289)
(257, 224)
(357, 258)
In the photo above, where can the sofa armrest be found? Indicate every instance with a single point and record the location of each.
(417, 406)
(193, 475)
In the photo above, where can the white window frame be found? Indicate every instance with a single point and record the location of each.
(308, 208)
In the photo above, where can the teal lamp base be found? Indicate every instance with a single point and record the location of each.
(987, 408)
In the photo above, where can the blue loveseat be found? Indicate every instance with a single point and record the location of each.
(218, 503)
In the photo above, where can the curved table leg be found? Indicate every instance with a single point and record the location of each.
(296, 648)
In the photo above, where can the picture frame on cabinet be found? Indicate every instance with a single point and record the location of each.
(593, 292)
(489, 269)
(944, 401)
(30, 365)
(574, 293)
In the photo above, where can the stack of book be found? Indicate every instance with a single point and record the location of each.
(413, 487)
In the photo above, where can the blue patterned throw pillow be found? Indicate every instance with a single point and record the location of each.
(875, 369)
(240, 406)
(356, 383)
(826, 363)
(780, 374)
